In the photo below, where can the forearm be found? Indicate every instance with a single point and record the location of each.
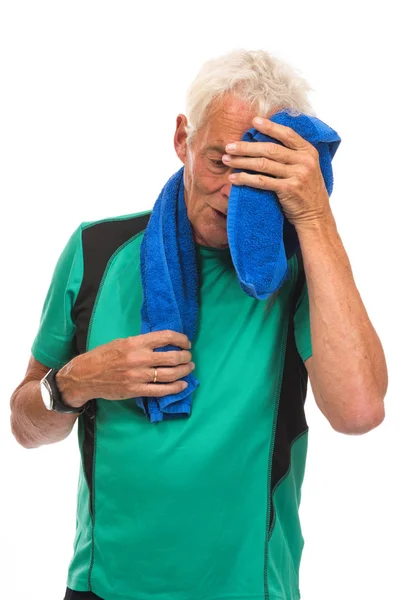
(32, 424)
(349, 365)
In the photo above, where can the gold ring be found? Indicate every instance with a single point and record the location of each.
(155, 374)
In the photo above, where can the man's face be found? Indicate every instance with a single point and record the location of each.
(206, 181)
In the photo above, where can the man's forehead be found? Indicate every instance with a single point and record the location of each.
(216, 136)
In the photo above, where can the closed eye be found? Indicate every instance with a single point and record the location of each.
(217, 163)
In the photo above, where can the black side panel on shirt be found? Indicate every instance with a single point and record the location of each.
(100, 241)
(72, 595)
(291, 421)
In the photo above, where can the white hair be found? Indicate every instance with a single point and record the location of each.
(261, 80)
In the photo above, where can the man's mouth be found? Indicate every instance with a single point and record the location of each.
(220, 214)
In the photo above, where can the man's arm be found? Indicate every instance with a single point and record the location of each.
(348, 368)
(32, 423)
(121, 369)
(348, 373)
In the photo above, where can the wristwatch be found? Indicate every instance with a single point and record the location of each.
(52, 397)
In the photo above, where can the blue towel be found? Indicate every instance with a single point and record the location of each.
(170, 282)
(261, 241)
(258, 231)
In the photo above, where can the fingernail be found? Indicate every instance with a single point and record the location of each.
(185, 384)
(258, 121)
(230, 147)
(232, 177)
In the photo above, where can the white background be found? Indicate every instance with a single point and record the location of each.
(89, 96)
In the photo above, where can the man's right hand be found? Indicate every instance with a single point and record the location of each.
(124, 368)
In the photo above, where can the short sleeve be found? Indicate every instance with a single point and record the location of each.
(54, 345)
(302, 330)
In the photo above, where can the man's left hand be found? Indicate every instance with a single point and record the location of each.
(293, 169)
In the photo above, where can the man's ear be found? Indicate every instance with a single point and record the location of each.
(180, 138)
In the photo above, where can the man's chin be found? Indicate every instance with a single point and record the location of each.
(213, 232)
(218, 240)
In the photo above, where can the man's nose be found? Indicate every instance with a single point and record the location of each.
(226, 189)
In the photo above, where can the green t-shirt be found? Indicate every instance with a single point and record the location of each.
(200, 508)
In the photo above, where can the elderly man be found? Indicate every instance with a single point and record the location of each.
(204, 506)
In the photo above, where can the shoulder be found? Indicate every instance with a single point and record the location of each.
(105, 236)
(129, 224)
(296, 278)
(296, 266)
(118, 219)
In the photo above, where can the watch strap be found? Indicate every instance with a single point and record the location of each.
(58, 403)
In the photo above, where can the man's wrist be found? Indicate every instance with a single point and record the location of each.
(325, 222)
(69, 387)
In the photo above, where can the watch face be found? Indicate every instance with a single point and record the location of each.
(46, 394)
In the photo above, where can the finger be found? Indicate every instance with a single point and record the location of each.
(158, 339)
(170, 358)
(261, 164)
(262, 182)
(168, 374)
(283, 133)
(268, 149)
(153, 389)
